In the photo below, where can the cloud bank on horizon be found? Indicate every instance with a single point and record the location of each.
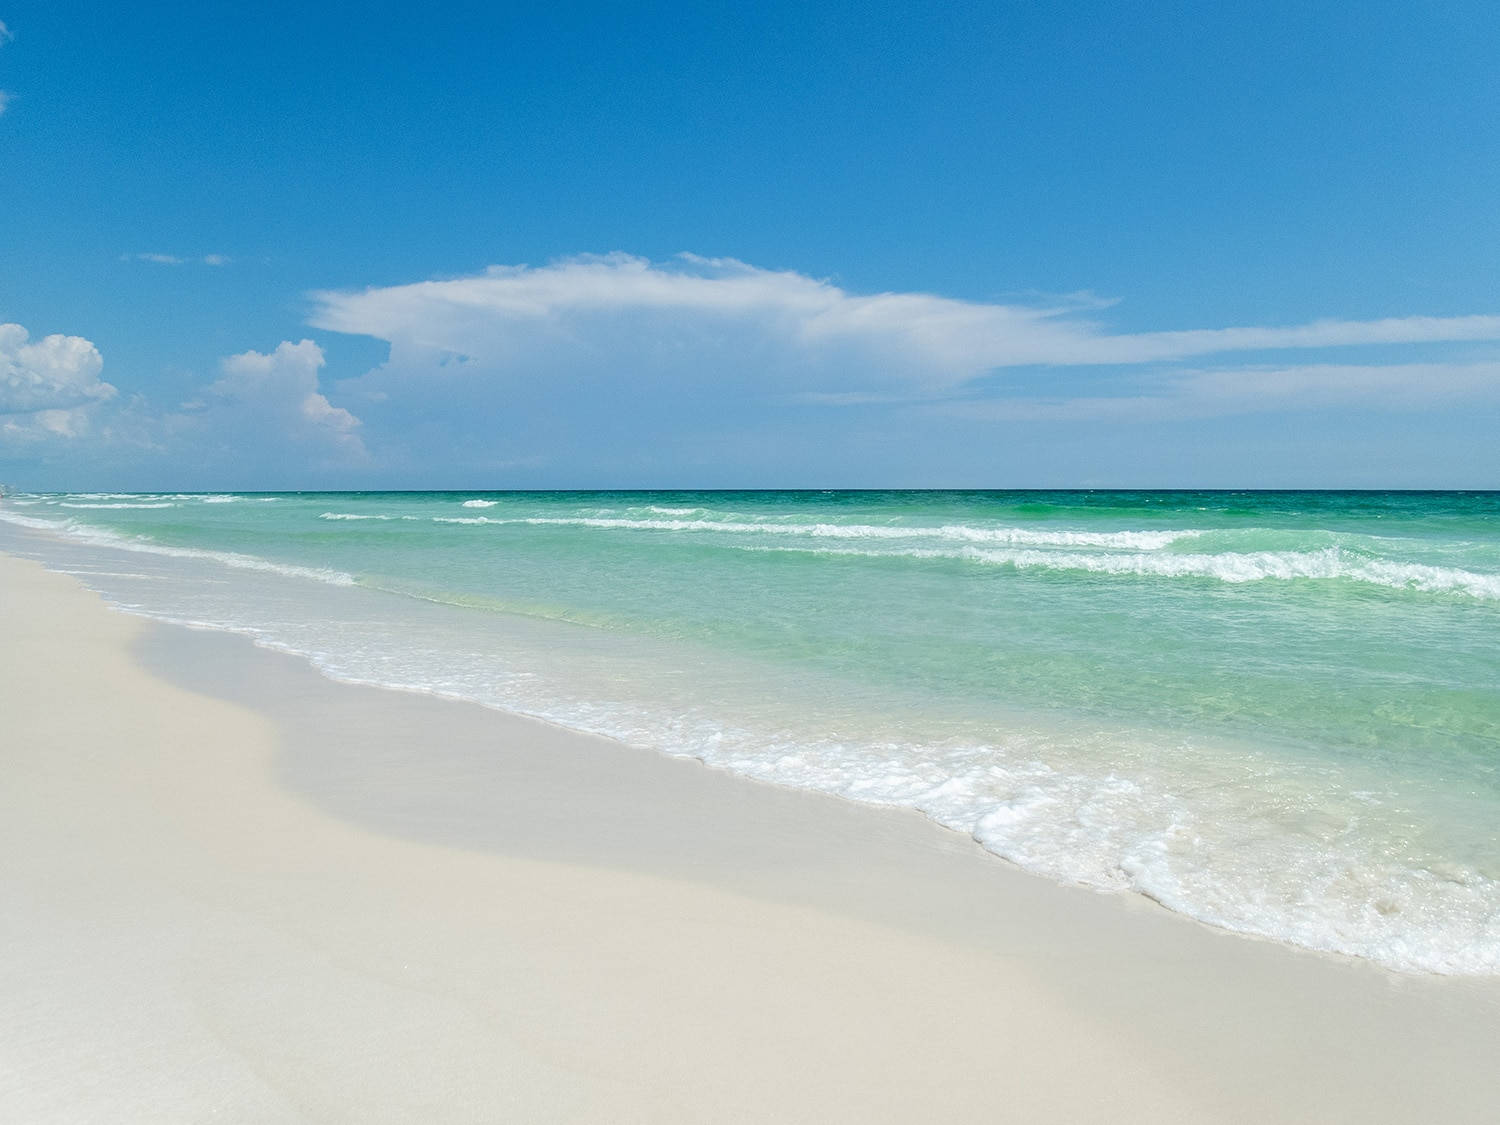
(827, 345)
(932, 339)
(615, 357)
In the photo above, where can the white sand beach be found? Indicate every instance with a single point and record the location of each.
(234, 890)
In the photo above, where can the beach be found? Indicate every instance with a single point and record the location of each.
(236, 889)
(678, 565)
(1278, 714)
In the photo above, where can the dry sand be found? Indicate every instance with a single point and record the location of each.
(233, 890)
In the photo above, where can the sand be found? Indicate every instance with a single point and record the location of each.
(231, 889)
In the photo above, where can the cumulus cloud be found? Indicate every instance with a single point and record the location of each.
(48, 387)
(55, 372)
(276, 394)
(263, 416)
(618, 311)
(632, 367)
(617, 368)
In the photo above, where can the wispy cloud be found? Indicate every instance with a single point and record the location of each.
(176, 260)
(615, 360)
(1254, 389)
(636, 310)
(619, 366)
(6, 35)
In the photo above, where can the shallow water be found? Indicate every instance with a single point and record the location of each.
(1275, 712)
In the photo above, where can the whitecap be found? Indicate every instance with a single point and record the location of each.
(69, 504)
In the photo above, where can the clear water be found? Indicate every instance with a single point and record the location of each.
(1276, 712)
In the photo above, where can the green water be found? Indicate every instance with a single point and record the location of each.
(1278, 712)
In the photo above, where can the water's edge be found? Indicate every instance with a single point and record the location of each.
(1316, 852)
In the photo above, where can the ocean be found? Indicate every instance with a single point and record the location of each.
(1275, 712)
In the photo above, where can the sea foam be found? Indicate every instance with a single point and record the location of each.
(1255, 725)
(1146, 540)
(105, 538)
(1327, 564)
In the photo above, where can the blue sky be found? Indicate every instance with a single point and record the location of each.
(1009, 244)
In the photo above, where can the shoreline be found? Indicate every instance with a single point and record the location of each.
(200, 661)
(1292, 810)
(338, 902)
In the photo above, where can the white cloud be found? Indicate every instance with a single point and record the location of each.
(55, 372)
(1259, 389)
(176, 260)
(6, 35)
(28, 431)
(619, 312)
(263, 414)
(1393, 386)
(278, 392)
(48, 387)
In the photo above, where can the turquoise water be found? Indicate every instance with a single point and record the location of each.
(1276, 712)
